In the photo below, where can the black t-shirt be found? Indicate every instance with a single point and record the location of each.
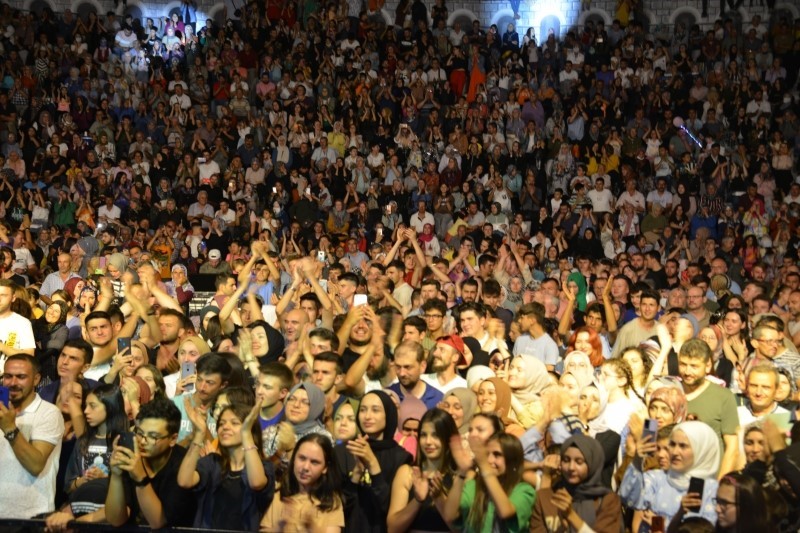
(179, 504)
(229, 496)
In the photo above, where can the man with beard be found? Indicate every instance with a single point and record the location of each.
(29, 452)
(709, 402)
(16, 332)
(364, 355)
(409, 364)
(172, 329)
(213, 372)
(644, 326)
(144, 481)
(446, 356)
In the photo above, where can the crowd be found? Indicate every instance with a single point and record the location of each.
(463, 279)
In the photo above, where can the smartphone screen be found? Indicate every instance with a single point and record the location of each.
(321, 257)
(4, 395)
(123, 343)
(359, 299)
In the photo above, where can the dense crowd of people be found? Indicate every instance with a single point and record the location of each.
(461, 278)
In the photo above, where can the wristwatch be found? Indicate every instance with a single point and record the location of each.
(11, 435)
(144, 482)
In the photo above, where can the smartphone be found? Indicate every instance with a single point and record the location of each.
(657, 524)
(123, 343)
(321, 256)
(650, 428)
(379, 231)
(4, 395)
(126, 440)
(696, 486)
(188, 369)
(359, 299)
(274, 190)
(324, 284)
(201, 159)
(308, 190)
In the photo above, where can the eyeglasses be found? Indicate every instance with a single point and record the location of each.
(149, 437)
(722, 503)
(300, 401)
(433, 316)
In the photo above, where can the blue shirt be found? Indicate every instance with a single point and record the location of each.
(431, 397)
(651, 491)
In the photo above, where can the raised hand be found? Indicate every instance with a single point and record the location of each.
(461, 456)
(197, 415)
(420, 484)
(250, 419)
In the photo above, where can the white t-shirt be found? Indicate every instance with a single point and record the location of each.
(21, 494)
(454, 383)
(601, 200)
(16, 332)
(23, 261)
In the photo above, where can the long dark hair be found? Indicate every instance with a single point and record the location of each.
(752, 512)
(514, 458)
(241, 411)
(116, 418)
(325, 491)
(444, 427)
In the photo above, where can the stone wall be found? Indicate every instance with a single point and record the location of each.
(542, 15)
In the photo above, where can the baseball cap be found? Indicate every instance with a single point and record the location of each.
(214, 254)
(457, 343)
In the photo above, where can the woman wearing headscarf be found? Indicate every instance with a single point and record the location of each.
(576, 285)
(694, 452)
(428, 241)
(461, 403)
(494, 397)
(116, 266)
(302, 411)
(345, 426)
(579, 364)
(528, 379)
(410, 409)
(179, 287)
(368, 463)
(579, 501)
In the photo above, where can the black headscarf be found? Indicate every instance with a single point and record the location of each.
(387, 442)
(585, 494)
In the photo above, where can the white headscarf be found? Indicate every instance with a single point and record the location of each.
(705, 446)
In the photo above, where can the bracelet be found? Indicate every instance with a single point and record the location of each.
(253, 447)
(198, 444)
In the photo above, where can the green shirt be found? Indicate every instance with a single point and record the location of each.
(522, 496)
(716, 406)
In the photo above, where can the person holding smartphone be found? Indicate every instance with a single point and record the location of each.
(579, 498)
(690, 482)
